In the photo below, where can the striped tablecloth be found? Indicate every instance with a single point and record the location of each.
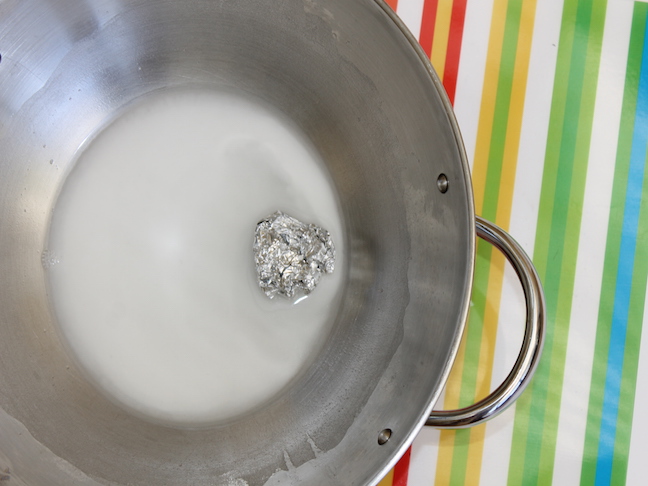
(552, 100)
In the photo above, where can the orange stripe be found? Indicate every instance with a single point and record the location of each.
(428, 21)
(401, 471)
(392, 3)
(455, 38)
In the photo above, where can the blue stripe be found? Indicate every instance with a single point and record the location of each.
(624, 279)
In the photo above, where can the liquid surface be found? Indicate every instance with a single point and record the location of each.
(151, 265)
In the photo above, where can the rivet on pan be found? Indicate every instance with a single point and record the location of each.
(442, 183)
(384, 436)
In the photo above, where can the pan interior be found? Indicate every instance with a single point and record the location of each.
(345, 76)
(150, 262)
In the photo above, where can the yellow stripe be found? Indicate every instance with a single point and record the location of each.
(446, 438)
(444, 458)
(505, 199)
(441, 35)
(486, 356)
(503, 218)
(516, 110)
(481, 161)
(387, 480)
(480, 164)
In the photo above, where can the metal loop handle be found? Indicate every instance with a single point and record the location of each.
(527, 360)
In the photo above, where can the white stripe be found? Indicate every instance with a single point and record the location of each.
(425, 452)
(423, 461)
(591, 247)
(411, 13)
(524, 216)
(497, 448)
(637, 464)
(472, 66)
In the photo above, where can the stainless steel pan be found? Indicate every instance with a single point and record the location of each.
(349, 74)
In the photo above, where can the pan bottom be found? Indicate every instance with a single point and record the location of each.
(150, 260)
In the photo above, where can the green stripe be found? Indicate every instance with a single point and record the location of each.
(473, 343)
(556, 247)
(610, 270)
(564, 292)
(541, 246)
(475, 328)
(521, 430)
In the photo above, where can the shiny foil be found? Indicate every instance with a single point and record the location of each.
(291, 256)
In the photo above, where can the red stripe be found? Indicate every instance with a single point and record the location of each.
(393, 4)
(401, 469)
(428, 20)
(455, 37)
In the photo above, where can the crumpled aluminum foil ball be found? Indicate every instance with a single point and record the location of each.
(291, 256)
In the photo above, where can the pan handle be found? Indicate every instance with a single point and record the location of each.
(527, 360)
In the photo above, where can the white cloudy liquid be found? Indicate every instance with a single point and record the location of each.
(154, 284)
